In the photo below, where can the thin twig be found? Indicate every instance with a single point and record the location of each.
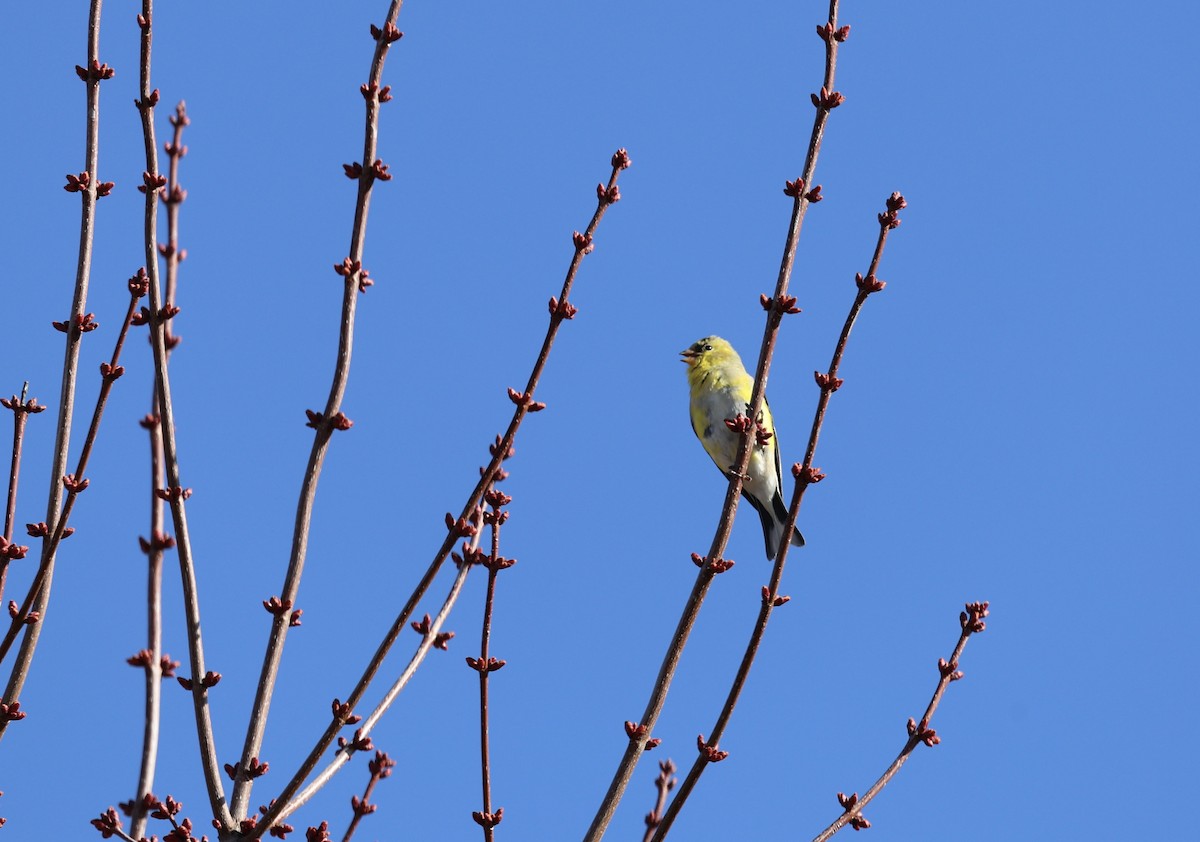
(174, 492)
(560, 310)
(805, 475)
(356, 282)
(21, 410)
(90, 188)
(486, 819)
(152, 659)
(485, 665)
(379, 768)
(829, 382)
(663, 784)
(803, 194)
(173, 196)
(972, 622)
(109, 824)
(155, 546)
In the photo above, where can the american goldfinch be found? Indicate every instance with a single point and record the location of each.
(720, 390)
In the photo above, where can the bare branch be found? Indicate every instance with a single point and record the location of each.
(380, 768)
(21, 410)
(172, 195)
(663, 784)
(972, 622)
(355, 283)
(174, 492)
(485, 665)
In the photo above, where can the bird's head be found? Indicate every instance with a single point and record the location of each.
(708, 352)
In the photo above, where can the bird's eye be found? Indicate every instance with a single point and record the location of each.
(708, 347)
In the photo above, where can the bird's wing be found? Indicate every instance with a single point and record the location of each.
(775, 440)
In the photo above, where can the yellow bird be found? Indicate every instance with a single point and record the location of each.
(720, 389)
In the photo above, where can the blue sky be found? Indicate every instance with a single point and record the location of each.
(1017, 424)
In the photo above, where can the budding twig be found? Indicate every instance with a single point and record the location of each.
(485, 665)
(174, 492)
(331, 418)
(663, 785)
(172, 195)
(972, 622)
(380, 768)
(21, 410)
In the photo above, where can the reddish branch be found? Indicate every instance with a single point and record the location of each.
(829, 383)
(109, 822)
(21, 410)
(663, 784)
(174, 492)
(379, 768)
(560, 310)
(109, 825)
(88, 185)
(172, 195)
(805, 475)
(485, 665)
(972, 622)
(151, 659)
(803, 193)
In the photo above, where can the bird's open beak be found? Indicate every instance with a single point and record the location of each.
(688, 355)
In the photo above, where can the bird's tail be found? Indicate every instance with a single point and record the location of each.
(773, 521)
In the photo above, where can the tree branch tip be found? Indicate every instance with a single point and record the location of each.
(971, 620)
